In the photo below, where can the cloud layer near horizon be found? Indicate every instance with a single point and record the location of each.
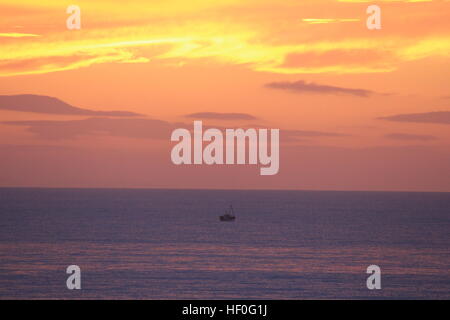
(303, 167)
(120, 125)
(69, 129)
(142, 128)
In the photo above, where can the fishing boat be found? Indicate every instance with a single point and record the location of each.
(229, 215)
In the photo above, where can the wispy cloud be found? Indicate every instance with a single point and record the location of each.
(69, 129)
(221, 116)
(410, 137)
(311, 87)
(439, 117)
(300, 135)
(141, 128)
(361, 1)
(18, 35)
(308, 133)
(328, 20)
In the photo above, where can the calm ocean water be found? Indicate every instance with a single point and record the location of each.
(170, 244)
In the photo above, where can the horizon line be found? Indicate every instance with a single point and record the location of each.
(219, 189)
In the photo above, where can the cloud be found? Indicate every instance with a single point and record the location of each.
(18, 35)
(221, 116)
(386, 0)
(49, 105)
(412, 137)
(311, 87)
(302, 135)
(440, 117)
(312, 134)
(355, 58)
(69, 129)
(261, 40)
(328, 20)
(141, 128)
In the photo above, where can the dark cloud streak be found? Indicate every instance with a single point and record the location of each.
(131, 128)
(314, 88)
(438, 117)
(410, 137)
(221, 116)
(49, 105)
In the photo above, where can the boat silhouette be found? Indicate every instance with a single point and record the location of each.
(229, 215)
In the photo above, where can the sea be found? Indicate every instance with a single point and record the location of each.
(170, 244)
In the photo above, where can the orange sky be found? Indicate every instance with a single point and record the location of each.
(310, 68)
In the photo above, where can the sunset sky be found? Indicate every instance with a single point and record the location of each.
(357, 109)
